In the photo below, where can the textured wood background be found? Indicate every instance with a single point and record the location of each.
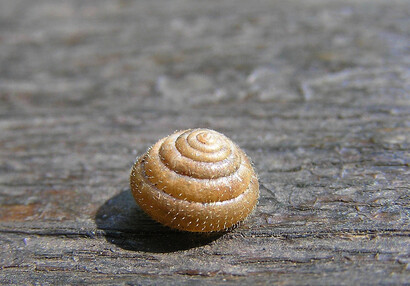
(317, 93)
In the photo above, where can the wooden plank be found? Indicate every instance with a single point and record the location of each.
(316, 92)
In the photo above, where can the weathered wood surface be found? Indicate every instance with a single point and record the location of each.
(316, 92)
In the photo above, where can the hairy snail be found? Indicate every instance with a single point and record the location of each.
(195, 180)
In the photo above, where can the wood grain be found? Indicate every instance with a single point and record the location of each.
(316, 92)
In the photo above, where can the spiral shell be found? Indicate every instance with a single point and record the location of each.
(195, 180)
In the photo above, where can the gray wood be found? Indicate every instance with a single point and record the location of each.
(317, 93)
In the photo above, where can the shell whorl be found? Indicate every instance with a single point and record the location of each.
(195, 180)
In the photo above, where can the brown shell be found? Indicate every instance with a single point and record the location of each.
(195, 180)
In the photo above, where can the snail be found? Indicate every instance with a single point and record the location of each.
(195, 180)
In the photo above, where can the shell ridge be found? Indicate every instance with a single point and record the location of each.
(149, 183)
(204, 164)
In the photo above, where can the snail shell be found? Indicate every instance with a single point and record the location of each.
(195, 180)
